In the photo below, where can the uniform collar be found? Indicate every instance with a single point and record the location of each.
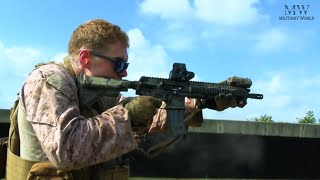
(67, 64)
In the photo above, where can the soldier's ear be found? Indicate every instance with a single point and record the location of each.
(84, 57)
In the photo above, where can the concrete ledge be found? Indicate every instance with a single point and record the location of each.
(258, 128)
(4, 115)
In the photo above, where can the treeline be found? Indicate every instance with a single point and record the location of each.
(308, 118)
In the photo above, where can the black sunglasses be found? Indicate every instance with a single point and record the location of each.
(121, 65)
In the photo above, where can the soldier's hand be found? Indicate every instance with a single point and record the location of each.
(222, 101)
(142, 109)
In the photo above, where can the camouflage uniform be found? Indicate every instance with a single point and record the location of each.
(71, 139)
(68, 139)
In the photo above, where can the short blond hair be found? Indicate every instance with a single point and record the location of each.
(96, 34)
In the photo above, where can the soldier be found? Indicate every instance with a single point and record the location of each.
(54, 139)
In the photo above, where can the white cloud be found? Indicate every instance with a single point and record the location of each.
(228, 20)
(179, 39)
(18, 60)
(137, 40)
(227, 12)
(16, 63)
(167, 9)
(59, 57)
(272, 40)
(188, 22)
(145, 58)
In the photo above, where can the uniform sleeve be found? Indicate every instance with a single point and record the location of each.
(69, 140)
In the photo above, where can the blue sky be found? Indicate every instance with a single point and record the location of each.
(216, 40)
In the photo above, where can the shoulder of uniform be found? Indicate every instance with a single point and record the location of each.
(43, 63)
(51, 67)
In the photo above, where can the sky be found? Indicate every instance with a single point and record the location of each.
(257, 39)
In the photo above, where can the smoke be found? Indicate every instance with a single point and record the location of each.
(227, 155)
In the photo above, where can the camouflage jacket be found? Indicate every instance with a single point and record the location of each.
(71, 139)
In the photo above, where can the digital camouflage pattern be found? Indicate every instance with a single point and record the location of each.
(69, 140)
(72, 139)
(142, 109)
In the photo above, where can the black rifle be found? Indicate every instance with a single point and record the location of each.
(172, 91)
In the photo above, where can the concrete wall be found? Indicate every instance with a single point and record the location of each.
(4, 115)
(233, 150)
(234, 156)
(4, 122)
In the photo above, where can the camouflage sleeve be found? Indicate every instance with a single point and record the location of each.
(69, 140)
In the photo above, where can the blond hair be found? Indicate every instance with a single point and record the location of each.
(96, 34)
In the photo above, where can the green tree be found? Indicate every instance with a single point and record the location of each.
(263, 118)
(309, 118)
